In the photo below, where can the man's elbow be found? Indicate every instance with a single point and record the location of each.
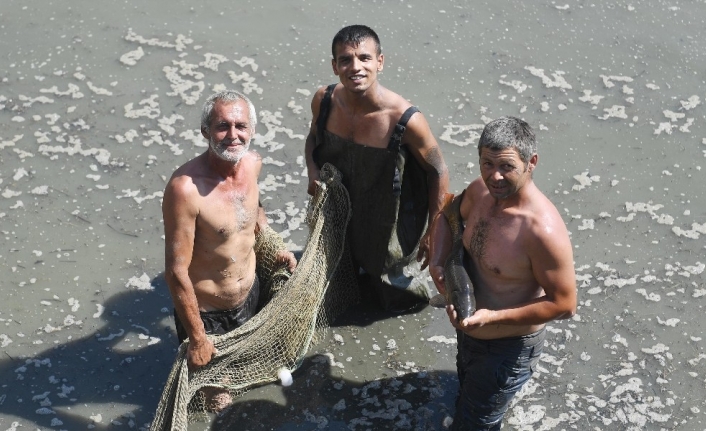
(171, 278)
(566, 315)
(568, 312)
(173, 275)
(437, 172)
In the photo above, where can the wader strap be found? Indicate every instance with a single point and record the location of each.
(395, 144)
(324, 111)
(400, 127)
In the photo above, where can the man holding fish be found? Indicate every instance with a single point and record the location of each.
(519, 273)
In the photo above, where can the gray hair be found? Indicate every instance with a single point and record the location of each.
(509, 132)
(226, 96)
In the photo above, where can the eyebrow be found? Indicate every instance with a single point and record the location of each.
(237, 123)
(507, 160)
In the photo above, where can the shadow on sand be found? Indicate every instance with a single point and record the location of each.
(114, 375)
(319, 399)
(123, 361)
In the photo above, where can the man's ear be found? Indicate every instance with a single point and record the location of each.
(205, 134)
(381, 59)
(334, 66)
(533, 162)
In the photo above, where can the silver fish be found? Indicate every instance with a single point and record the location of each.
(459, 287)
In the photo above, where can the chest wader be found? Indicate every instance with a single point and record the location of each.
(389, 210)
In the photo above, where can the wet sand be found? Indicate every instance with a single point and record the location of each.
(99, 103)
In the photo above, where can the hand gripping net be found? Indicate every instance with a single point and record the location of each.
(299, 307)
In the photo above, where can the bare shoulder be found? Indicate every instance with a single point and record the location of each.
(417, 133)
(473, 193)
(252, 162)
(549, 249)
(252, 157)
(318, 96)
(181, 195)
(547, 210)
(418, 124)
(189, 173)
(394, 103)
(316, 106)
(475, 190)
(322, 90)
(546, 223)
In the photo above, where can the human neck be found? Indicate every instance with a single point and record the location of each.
(225, 168)
(368, 99)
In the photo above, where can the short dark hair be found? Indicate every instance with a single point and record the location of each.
(355, 34)
(509, 132)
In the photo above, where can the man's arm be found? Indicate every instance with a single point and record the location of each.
(551, 257)
(311, 168)
(440, 241)
(179, 216)
(425, 149)
(284, 257)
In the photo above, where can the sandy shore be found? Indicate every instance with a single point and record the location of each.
(99, 103)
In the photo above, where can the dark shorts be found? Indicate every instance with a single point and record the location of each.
(223, 321)
(490, 373)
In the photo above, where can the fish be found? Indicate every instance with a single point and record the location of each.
(459, 287)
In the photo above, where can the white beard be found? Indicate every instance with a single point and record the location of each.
(224, 152)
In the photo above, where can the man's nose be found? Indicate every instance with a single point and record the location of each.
(232, 132)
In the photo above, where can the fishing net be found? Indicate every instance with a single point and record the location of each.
(298, 309)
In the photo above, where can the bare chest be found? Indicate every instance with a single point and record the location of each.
(226, 214)
(372, 130)
(497, 249)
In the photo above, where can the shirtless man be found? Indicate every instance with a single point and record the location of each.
(521, 265)
(391, 164)
(211, 214)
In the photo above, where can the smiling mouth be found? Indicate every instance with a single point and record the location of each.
(497, 187)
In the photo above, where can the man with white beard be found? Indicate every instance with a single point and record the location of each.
(211, 214)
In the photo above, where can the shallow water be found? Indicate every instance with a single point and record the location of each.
(99, 103)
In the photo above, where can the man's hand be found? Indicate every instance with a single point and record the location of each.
(423, 253)
(480, 318)
(286, 257)
(314, 175)
(199, 354)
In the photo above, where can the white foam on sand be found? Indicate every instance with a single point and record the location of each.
(590, 98)
(149, 108)
(470, 133)
(556, 80)
(584, 180)
(179, 44)
(131, 58)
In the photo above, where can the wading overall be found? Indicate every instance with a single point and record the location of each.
(389, 210)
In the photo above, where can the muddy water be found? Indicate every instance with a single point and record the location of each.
(99, 102)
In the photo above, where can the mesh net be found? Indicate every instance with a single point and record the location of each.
(298, 309)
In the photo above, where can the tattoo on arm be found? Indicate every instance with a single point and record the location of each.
(435, 160)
